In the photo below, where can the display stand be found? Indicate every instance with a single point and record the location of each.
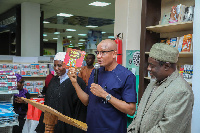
(51, 116)
(7, 96)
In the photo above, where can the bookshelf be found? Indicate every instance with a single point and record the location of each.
(174, 27)
(181, 54)
(152, 31)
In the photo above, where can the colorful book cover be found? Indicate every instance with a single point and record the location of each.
(180, 43)
(168, 41)
(38, 83)
(181, 70)
(38, 88)
(173, 41)
(181, 13)
(74, 58)
(26, 69)
(187, 41)
(28, 83)
(166, 18)
(188, 72)
(189, 14)
(173, 15)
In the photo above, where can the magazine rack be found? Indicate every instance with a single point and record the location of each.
(51, 116)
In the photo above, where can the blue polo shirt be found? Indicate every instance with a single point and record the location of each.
(103, 117)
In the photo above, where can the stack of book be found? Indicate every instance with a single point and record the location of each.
(7, 115)
(179, 13)
(8, 81)
(33, 86)
(27, 69)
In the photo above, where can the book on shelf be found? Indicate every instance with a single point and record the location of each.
(187, 72)
(26, 70)
(179, 43)
(166, 18)
(38, 88)
(183, 43)
(179, 13)
(188, 14)
(187, 42)
(173, 41)
(34, 86)
(173, 15)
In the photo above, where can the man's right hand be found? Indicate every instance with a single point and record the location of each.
(72, 75)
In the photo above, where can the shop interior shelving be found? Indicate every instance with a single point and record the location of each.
(152, 31)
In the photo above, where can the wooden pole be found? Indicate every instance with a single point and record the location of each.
(50, 120)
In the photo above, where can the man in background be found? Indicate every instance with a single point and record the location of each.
(166, 105)
(86, 70)
(113, 97)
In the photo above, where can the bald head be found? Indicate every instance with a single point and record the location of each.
(108, 44)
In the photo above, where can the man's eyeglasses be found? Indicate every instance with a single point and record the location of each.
(102, 52)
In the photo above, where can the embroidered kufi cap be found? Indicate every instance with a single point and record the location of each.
(60, 56)
(164, 52)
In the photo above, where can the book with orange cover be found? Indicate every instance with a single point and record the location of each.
(187, 42)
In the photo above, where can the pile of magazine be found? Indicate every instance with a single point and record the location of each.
(7, 115)
(8, 81)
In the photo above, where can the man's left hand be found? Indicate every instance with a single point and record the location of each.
(19, 100)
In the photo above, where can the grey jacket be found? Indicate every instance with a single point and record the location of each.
(169, 109)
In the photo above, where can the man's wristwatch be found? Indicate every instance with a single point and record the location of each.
(108, 97)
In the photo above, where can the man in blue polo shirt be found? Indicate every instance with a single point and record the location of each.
(113, 97)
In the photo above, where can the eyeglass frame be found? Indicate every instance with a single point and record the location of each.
(102, 52)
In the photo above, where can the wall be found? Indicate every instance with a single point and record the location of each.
(128, 22)
(30, 29)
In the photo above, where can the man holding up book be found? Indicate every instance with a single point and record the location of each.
(110, 99)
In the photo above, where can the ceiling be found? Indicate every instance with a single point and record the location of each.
(84, 14)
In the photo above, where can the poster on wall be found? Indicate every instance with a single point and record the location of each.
(133, 63)
(94, 38)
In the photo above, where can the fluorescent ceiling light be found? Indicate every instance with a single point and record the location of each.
(55, 38)
(45, 22)
(81, 40)
(64, 15)
(111, 37)
(103, 32)
(91, 26)
(45, 40)
(71, 44)
(44, 34)
(70, 30)
(80, 43)
(99, 4)
(56, 32)
(82, 34)
(69, 36)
